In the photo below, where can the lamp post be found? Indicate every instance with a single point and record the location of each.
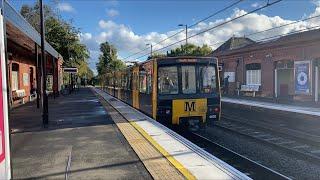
(186, 26)
(149, 44)
(45, 116)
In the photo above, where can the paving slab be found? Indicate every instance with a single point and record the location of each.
(81, 134)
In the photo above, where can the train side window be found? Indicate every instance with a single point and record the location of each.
(149, 83)
(129, 82)
(143, 82)
(208, 80)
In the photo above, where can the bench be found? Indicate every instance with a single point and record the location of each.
(250, 88)
(19, 94)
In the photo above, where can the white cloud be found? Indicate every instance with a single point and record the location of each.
(112, 13)
(255, 5)
(65, 7)
(128, 42)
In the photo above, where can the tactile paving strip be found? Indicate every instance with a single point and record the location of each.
(157, 165)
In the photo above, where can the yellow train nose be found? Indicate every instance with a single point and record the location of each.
(184, 108)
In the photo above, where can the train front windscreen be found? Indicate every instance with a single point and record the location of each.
(194, 79)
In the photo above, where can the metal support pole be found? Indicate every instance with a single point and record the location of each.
(316, 95)
(275, 83)
(53, 77)
(186, 35)
(114, 84)
(45, 116)
(38, 74)
(70, 88)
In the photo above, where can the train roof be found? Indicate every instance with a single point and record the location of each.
(172, 60)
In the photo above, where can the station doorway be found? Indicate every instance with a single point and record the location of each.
(284, 77)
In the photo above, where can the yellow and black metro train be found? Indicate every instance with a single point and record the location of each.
(181, 91)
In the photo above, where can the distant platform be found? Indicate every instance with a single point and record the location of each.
(274, 106)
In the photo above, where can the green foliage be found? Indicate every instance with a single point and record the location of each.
(61, 35)
(190, 50)
(84, 71)
(157, 55)
(108, 60)
(32, 14)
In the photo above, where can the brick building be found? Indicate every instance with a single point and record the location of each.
(283, 68)
(23, 49)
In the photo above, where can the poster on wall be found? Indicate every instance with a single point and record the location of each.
(49, 83)
(25, 79)
(302, 77)
(232, 76)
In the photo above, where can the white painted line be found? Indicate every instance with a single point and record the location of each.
(315, 152)
(300, 147)
(285, 142)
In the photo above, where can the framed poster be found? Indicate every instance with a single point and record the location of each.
(302, 77)
(232, 76)
(25, 79)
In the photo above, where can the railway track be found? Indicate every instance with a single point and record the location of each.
(297, 147)
(251, 168)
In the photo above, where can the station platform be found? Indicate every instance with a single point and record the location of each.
(92, 135)
(306, 110)
(82, 142)
(190, 160)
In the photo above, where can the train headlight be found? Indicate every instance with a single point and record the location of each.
(214, 109)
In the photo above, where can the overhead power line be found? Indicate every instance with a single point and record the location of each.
(216, 26)
(265, 39)
(276, 27)
(194, 24)
(286, 34)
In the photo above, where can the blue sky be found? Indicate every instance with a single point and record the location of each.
(130, 24)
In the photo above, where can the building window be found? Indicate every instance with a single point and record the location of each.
(253, 74)
(15, 77)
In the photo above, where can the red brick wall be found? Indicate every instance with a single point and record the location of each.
(24, 67)
(267, 57)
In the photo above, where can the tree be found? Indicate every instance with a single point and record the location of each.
(108, 59)
(108, 62)
(61, 35)
(157, 55)
(190, 50)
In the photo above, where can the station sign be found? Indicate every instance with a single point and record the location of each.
(71, 70)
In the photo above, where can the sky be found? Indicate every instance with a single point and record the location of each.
(131, 24)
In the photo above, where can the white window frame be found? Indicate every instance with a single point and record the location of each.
(14, 80)
(253, 77)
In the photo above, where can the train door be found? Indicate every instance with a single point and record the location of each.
(135, 87)
(154, 89)
(145, 87)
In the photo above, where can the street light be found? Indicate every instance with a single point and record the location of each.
(186, 26)
(149, 44)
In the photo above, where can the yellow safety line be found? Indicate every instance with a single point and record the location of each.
(187, 174)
